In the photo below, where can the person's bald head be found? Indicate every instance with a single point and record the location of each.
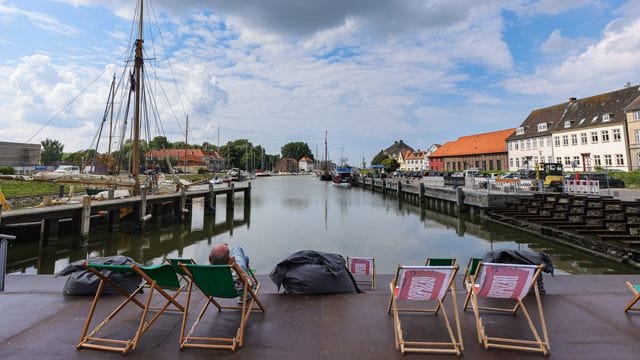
(219, 255)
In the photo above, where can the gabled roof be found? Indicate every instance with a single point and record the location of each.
(581, 113)
(635, 105)
(192, 155)
(415, 155)
(397, 147)
(306, 159)
(485, 143)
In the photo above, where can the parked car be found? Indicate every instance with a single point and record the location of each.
(68, 169)
(605, 180)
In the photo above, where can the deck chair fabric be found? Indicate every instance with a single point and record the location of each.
(159, 279)
(635, 289)
(512, 282)
(440, 262)
(359, 266)
(174, 262)
(426, 284)
(217, 281)
(468, 276)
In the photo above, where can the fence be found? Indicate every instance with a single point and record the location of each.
(582, 186)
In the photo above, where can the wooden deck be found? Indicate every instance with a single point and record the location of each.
(584, 315)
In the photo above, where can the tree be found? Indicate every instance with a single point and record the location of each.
(390, 165)
(379, 158)
(51, 151)
(159, 142)
(296, 150)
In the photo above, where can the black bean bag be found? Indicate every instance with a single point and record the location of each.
(84, 282)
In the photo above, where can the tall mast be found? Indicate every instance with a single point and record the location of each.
(113, 95)
(138, 110)
(326, 161)
(186, 141)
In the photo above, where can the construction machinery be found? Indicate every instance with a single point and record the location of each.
(549, 176)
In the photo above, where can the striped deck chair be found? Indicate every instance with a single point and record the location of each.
(363, 266)
(635, 289)
(216, 281)
(426, 284)
(469, 274)
(509, 281)
(159, 279)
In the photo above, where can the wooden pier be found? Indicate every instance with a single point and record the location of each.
(143, 208)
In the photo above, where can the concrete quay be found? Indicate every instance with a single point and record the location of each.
(584, 316)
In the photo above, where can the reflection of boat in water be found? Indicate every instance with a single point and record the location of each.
(263, 173)
(342, 176)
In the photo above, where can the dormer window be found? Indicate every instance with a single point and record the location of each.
(606, 117)
(567, 124)
(542, 127)
(594, 118)
(520, 131)
(581, 121)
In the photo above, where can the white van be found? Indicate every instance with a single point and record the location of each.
(68, 169)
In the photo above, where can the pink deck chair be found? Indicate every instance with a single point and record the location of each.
(426, 284)
(363, 266)
(513, 282)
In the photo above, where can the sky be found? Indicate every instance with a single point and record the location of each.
(369, 72)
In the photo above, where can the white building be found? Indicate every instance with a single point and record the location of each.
(582, 134)
(305, 164)
(414, 161)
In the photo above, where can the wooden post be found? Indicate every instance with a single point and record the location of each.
(421, 196)
(212, 199)
(114, 215)
(142, 208)
(85, 219)
(61, 192)
(399, 190)
(49, 232)
(230, 196)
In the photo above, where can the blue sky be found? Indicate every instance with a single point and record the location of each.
(368, 71)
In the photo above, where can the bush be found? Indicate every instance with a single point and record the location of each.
(203, 171)
(7, 170)
(631, 179)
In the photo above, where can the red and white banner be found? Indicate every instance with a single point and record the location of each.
(360, 265)
(505, 281)
(423, 282)
(582, 186)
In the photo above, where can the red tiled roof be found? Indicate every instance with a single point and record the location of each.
(192, 155)
(486, 143)
(307, 159)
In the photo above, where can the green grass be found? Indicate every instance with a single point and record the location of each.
(631, 179)
(14, 188)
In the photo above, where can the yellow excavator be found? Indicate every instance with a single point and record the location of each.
(551, 175)
(3, 202)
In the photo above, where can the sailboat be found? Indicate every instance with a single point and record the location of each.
(325, 175)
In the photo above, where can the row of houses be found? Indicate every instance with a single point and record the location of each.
(601, 131)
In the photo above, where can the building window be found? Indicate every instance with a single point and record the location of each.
(567, 160)
(498, 164)
(490, 164)
(520, 131)
(606, 117)
(565, 140)
(583, 138)
(574, 139)
(522, 144)
(484, 164)
(637, 136)
(534, 144)
(510, 145)
(567, 124)
(518, 163)
(541, 142)
(477, 164)
(510, 162)
(607, 160)
(576, 160)
(515, 145)
(594, 136)
(556, 140)
(636, 115)
(528, 144)
(605, 135)
(619, 159)
(542, 127)
(596, 160)
(559, 159)
(616, 135)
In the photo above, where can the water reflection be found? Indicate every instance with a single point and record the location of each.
(287, 214)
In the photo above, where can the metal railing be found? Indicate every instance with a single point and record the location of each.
(4, 245)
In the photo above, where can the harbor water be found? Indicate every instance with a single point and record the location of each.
(291, 213)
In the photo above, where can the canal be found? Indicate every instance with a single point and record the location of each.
(291, 213)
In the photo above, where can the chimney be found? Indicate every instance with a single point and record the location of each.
(572, 99)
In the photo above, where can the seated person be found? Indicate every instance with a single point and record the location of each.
(221, 255)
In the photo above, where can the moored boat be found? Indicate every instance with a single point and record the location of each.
(342, 176)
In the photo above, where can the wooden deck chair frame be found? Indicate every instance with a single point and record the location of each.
(373, 268)
(469, 273)
(152, 277)
(454, 346)
(635, 289)
(174, 264)
(540, 344)
(246, 308)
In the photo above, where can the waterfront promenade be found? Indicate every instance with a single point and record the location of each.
(584, 315)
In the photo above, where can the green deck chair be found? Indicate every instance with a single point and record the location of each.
(159, 279)
(216, 281)
(469, 274)
(635, 289)
(174, 262)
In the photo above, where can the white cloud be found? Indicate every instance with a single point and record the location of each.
(613, 61)
(39, 19)
(556, 44)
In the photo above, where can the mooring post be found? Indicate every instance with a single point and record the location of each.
(143, 217)
(459, 206)
(230, 196)
(4, 246)
(399, 190)
(85, 219)
(384, 187)
(183, 202)
(114, 214)
(61, 192)
(212, 199)
(421, 196)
